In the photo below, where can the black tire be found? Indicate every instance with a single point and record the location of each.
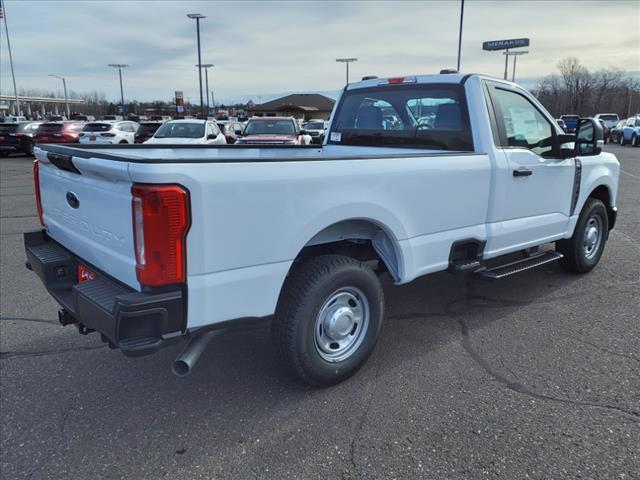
(30, 149)
(634, 140)
(622, 139)
(296, 325)
(578, 258)
(122, 142)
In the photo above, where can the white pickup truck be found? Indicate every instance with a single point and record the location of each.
(151, 245)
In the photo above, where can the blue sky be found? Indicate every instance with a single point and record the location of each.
(263, 48)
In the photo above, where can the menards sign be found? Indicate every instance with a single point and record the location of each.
(505, 44)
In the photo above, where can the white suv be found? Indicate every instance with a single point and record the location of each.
(188, 132)
(109, 131)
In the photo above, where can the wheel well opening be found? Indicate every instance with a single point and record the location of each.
(602, 194)
(359, 239)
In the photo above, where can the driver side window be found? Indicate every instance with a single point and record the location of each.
(524, 126)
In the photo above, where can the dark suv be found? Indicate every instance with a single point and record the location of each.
(17, 137)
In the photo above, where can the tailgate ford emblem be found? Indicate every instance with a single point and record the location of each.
(72, 199)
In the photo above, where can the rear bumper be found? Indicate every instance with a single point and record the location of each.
(139, 323)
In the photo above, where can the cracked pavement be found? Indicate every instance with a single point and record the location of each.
(534, 376)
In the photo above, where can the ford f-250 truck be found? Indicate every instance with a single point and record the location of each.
(151, 245)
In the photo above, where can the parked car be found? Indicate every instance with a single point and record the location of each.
(112, 117)
(631, 132)
(188, 132)
(316, 130)
(561, 124)
(605, 130)
(109, 132)
(610, 119)
(231, 130)
(83, 118)
(17, 137)
(571, 121)
(297, 237)
(273, 131)
(14, 119)
(146, 131)
(132, 117)
(59, 132)
(616, 132)
(159, 118)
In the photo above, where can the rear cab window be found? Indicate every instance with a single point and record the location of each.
(431, 116)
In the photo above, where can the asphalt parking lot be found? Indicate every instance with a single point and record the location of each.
(536, 376)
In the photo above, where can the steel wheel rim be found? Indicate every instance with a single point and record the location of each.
(592, 237)
(341, 324)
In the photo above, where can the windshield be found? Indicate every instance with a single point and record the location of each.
(97, 127)
(611, 118)
(314, 126)
(180, 130)
(427, 116)
(270, 127)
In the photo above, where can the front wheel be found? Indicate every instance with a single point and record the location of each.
(583, 250)
(328, 319)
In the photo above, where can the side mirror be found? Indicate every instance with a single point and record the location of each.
(211, 136)
(303, 132)
(238, 132)
(589, 137)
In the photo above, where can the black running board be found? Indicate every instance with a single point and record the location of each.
(518, 266)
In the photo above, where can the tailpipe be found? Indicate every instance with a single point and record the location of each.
(187, 360)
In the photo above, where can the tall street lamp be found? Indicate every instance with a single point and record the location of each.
(64, 86)
(197, 17)
(120, 66)
(206, 67)
(346, 61)
(460, 33)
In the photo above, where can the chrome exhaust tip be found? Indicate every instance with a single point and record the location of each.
(186, 361)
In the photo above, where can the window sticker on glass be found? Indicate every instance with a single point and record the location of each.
(523, 123)
(336, 136)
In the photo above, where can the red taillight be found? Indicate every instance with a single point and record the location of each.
(36, 187)
(396, 80)
(160, 224)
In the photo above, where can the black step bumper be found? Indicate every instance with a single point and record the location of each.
(138, 323)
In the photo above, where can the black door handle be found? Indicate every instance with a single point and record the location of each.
(523, 172)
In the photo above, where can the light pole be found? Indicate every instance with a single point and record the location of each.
(120, 66)
(460, 33)
(197, 17)
(66, 101)
(206, 67)
(346, 61)
(3, 10)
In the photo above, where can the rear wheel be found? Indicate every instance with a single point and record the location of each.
(123, 141)
(583, 250)
(328, 319)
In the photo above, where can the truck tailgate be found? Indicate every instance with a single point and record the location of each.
(88, 211)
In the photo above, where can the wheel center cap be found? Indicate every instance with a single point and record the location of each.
(340, 324)
(592, 236)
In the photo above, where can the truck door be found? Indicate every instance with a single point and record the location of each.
(533, 191)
